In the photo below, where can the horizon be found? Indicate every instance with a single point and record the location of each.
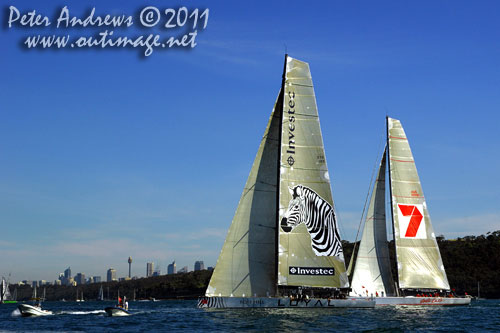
(107, 153)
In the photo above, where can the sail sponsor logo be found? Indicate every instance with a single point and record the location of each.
(411, 221)
(291, 129)
(294, 270)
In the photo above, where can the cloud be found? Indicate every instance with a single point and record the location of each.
(468, 225)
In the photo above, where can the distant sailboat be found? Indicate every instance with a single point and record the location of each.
(283, 248)
(101, 294)
(5, 296)
(79, 299)
(422, 279)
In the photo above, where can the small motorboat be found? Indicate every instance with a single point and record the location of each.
(116, 311)
(28, 310)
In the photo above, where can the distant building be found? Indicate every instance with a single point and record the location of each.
(111, 275)
(90, 280)
(34, 284)
(80, 278)
(57, 282)
(97, 279)
(149, 269)
(183, 269)
(67, 273)
(199, 266)
(172, 268)
(210, 268)
(157, 273)
(42, 283)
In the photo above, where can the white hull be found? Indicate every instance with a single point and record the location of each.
(421, 301)
(116, 312)
(32, 311)
(282, 302)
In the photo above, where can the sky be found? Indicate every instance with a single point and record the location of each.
(106, 153)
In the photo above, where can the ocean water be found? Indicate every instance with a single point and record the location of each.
(168, 316)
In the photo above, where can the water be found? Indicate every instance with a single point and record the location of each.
(480, 316)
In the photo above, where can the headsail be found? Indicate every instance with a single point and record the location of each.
(372, 272)
(310, 251)
(4, 291)
(419, 260)
(246, 264)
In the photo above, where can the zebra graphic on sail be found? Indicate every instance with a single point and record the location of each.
(307, 207)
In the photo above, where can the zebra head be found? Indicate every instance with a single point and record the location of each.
(296, 212)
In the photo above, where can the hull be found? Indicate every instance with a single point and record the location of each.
(281, 302)
(114, 311)
(32, 311)
(421, 301)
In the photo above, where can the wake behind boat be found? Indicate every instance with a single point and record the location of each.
(421, 275)
(283, 248)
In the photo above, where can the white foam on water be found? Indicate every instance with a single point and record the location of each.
(15, 313)
(82, 312)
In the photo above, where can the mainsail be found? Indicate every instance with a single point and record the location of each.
(289, 174)
(310, 252)
(417, 252)
(372, 273)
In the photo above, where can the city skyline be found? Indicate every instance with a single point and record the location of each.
(111, 274)
(106, 153)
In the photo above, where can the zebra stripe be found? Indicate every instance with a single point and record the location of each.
(211, 302)
(307, 207)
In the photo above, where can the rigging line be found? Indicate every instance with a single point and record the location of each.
(349, 269)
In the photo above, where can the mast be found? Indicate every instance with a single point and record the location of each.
(278, 176)
(391, 204)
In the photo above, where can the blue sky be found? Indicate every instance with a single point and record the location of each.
(105, 154)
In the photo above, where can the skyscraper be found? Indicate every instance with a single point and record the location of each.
(199, 266)
(171, 268)
(80, 278)
(67, 273)
(111, 275)
(149, 269)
